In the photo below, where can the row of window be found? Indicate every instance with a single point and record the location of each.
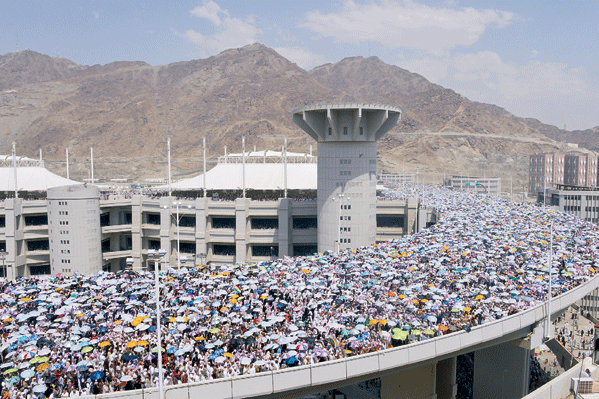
(63, 203)
(345, 131)
(63, 222)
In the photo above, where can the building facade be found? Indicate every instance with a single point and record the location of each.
(580, 170)
(480, 185)
(582, 202)
(74, 229)
(195, 231)
(346, 135)
(545, 170)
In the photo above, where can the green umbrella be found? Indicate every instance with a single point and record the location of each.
(35, 360)
(396, 330)
(10, 371)
(416, 332)
(214, 330)
(428, 331)
(43, 359)
(155, 350)
(87, 349)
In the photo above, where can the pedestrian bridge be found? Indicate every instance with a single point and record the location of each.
(428, 366)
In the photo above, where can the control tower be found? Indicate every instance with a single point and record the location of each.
(346, 136)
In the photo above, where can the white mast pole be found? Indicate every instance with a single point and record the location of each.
(285, 167)
(243, 166)
(14, 166)
(204, 143)
(92, 163)
(67, 151)
(168, 152)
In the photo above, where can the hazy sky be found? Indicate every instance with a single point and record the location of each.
(535, 58)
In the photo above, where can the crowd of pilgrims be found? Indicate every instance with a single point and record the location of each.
(486, 258)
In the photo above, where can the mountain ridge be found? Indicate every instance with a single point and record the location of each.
(125, 110)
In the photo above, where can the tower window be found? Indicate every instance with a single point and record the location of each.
(345, 130)
(330, 131)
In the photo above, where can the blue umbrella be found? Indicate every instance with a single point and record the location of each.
(27, 373)
(291, 360)
(97, 375)
(171, 350)
(179, 352)
(152, 329)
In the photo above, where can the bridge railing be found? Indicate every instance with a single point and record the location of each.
(314, 375)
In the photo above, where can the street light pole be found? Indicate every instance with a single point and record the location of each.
(550, 267)
(178, 239)
(3, 256)
(161, 253)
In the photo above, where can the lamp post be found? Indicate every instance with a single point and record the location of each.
(157, 258)
(3, 256)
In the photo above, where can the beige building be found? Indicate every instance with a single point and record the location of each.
(580, 170)
(546, 170)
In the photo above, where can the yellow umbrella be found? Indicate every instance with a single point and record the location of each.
(383, 322)
(172, 320)
(402, 296)
(373, 322)
(8, 319)
(467, 309)
(79, 315)
(131, 344)
(143, 343)
(479, 296)
(227, 354)
(43, 367)
(104, 344)
(200, 338)
(233, 301)
(234, 296)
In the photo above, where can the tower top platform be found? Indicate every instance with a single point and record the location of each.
(346, 122)
(325, 106)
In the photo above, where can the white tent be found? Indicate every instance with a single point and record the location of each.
(31, 178)
(259, 176)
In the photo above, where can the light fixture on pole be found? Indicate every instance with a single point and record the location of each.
(547, 334)
(157, 258)
(4, 270)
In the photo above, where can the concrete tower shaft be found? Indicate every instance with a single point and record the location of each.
(346, 136)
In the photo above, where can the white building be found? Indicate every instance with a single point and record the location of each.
(346, 136)
(74, 229)
(218, 229)
(480, 185)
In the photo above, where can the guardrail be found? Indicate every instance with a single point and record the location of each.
(336, 371)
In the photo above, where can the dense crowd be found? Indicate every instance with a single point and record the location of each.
(486, 259)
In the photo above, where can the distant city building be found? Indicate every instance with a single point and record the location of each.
(582, 202)
(545, 170)
(481, 185)
(396, 178)
(580, 170)
(548, 170)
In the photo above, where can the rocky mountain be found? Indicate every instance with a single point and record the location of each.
(125, 110)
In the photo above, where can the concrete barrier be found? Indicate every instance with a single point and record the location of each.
(339, 370)
(559, 387)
